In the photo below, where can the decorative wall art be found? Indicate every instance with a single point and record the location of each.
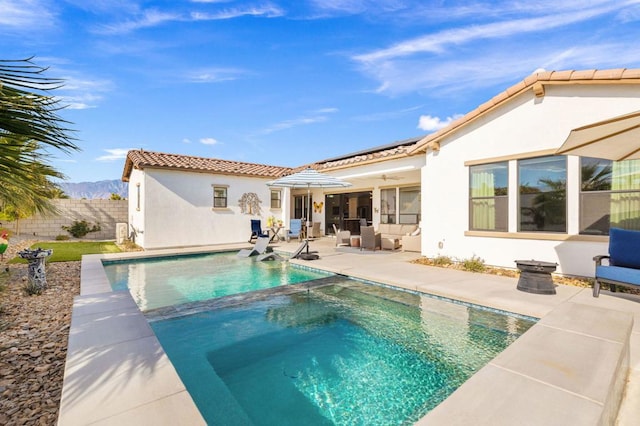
(250, 203)
(317, 207)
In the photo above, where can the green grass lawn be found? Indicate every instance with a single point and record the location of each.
(68, 251)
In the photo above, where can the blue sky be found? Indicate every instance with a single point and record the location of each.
(292, 82)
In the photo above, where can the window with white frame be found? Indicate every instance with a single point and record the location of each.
(488, 197)
(219, 197)
(609, 195)
(276, 199)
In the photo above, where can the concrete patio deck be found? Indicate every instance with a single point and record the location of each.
(570, 368)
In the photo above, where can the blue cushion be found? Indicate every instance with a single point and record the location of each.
(624, 248)
(617, 273)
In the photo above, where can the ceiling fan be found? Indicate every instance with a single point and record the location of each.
(385, 177)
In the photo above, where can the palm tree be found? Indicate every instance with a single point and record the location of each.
(29, 123)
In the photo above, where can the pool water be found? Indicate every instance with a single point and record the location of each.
(343, 354)
(167, 281)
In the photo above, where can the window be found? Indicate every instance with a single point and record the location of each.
(300, 206)
(609, 195)
(388, 205)
(219, 197)
(488, 197)
(542, 200)
(410, 205)
(276, 199)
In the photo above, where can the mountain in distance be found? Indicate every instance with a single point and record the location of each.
(95, 190)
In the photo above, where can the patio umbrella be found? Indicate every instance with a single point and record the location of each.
(615, 139)
(308, 178)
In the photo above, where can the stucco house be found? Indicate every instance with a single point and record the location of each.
(487, 185)
(178, 201)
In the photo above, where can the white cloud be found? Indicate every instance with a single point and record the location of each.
(266, 11)
(114, 154)
(146, 19)
(82, 92)
(317, 116)
(25, 14)
(431, 124)
(208, 141)
(186, 140)
(214, 75)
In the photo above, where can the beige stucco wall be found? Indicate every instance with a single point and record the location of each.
(105, 212)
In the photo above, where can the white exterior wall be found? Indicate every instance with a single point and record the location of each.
(525, 124)
(176, 208)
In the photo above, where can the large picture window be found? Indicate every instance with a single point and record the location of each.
(609, 195)
(543, 194)
(488, 197)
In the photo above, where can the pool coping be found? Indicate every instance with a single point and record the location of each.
(116, 370)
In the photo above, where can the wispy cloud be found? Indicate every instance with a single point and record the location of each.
(318, 116)
(25, 14)
(114, 154)
(145, 19)
(150, 18)
(266, 11)
(215, 75)
(438, 42)
(81, 92)
(483, 55)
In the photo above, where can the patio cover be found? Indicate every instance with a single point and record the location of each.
(615, 139)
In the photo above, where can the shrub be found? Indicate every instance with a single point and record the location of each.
(62, 237)
(442, 261)
(81, 228)
(474, 264)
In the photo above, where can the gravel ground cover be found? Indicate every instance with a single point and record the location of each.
(33, 340)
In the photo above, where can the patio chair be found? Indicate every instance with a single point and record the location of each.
(343, 238)
(624, 261)
(294, 255)
(314, 232)
(295, 229)
(369, 238)
(260, 247)
(256, 230)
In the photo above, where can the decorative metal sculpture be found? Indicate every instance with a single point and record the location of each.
(36, 259)
(250, 203)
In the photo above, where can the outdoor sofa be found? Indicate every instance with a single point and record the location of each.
(391, 234)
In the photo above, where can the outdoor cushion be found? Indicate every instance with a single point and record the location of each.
(618, 274)
(624, 248)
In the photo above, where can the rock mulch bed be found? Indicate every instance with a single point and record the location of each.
(33, 340)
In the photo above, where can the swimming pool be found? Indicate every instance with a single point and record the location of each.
(344, 353)
(165, 281)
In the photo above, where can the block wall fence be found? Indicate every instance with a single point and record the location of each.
(105, 212)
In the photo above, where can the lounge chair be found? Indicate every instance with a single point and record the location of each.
(276, 256)
(369, 238)
(256, 230)
(624, 261)
(295, 229)
(260, 247)
(343, 238)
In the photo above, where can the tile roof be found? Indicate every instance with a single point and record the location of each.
(535, 82)
(140, 159)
